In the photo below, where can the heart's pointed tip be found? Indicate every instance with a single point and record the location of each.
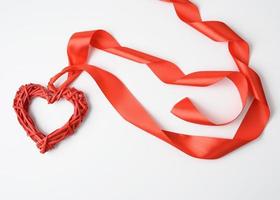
(43, 151)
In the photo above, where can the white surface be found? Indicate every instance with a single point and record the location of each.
(108, 158)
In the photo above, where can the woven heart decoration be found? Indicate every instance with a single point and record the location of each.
(22, 101)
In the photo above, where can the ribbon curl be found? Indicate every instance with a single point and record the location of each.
(245, 79)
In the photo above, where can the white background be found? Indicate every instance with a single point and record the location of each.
(108, 158)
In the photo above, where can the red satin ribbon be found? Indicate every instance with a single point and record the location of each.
(246, 80)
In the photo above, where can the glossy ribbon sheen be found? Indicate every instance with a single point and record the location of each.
(245, 79)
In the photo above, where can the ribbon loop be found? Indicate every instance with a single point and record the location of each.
(246, 80)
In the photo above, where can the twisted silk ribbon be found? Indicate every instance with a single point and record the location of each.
(245, 79)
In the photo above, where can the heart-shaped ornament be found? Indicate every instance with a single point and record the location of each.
(22, 101)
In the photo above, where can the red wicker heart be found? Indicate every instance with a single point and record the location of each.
(45, 142)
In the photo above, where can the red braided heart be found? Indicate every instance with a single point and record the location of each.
(23, 99)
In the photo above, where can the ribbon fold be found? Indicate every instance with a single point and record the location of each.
(245, 79)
